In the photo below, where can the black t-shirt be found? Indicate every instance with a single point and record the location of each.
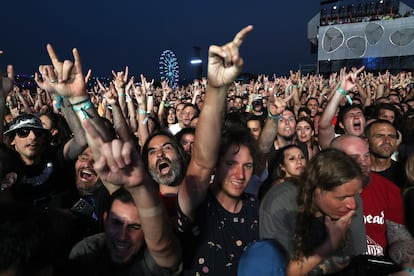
(215, 241)
(49, 184)
(90, 257)
(394, 173)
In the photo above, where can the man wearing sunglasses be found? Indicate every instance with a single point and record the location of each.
(46, 181)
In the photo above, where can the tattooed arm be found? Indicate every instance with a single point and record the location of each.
(401, 244)
(331, 265)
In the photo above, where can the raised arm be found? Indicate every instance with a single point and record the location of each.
(120, 80)
(275, 108)
(6, 85)
(65, 79)
(118, 162)
(224, 65)
(326, 130)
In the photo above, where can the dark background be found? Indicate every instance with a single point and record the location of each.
(113, 34)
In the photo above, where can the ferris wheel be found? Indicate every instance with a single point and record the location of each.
(169, 68)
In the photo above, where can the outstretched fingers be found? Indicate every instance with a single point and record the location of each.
(95, 140)
(288, 98)
(78, 62)
(52, 55)
(241, 36)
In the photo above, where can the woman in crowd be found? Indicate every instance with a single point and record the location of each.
(305, 133)
(316, 210)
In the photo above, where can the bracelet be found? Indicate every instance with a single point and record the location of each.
(59, 101)
(142, 111)
(340, 90)
(409, 270)
(83, 109)
(81, 102)
(121, 95)
(274, 117)
(349, 99)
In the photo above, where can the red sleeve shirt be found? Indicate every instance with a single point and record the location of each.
(382, 201)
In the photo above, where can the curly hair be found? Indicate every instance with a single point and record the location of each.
(327, 170)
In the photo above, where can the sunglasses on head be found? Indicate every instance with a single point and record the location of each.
(24, 132)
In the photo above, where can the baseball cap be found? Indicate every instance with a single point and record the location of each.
(263, 257)
(25, 121)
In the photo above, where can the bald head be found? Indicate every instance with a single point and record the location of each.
(357, 148)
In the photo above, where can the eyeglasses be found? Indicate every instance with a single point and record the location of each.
(24, 132)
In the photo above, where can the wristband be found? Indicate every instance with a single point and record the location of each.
(83, 109)
(121, 95)
(349, 99)
(409, 270)
(59, 101)
(340, 90)
(142, 111)
(249, 107)
(274, 117)
(78, 103)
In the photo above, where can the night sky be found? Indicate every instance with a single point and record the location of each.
(113, 34)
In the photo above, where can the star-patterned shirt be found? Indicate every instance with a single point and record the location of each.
(214, 242)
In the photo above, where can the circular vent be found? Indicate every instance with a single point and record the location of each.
(332, 39)
(373, 33)
(356, 45)
(402, 37)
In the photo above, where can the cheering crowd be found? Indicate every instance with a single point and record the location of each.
(290, 175)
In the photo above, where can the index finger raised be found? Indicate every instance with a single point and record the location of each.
(240, 36)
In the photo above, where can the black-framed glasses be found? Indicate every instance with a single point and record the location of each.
(24, 132)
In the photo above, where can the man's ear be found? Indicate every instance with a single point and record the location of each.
(341, 125)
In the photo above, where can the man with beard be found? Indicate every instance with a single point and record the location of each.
(138, 238)
(382, 139)
(350, 117)
(166, 161)
(94, 197)
(382, 207)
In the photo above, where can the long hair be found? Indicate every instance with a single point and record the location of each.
(181, 154)
(278, 173)
(327, 170)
